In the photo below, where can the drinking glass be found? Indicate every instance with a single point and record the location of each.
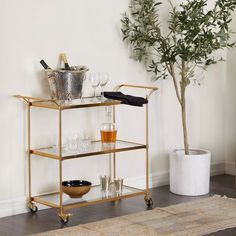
(94, 79)
(118, 185)
(84, 143)
(104, 78)
(105, 182)
(72, 142)
(64, 142)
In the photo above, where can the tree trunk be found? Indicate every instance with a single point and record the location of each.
(184, 122)
(181, 98)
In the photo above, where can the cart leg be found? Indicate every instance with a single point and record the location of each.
(32, 207)
(63, 216)
(114, 166)
(147, 198)
(114, 154)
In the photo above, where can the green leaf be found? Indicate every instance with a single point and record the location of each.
(195, 32)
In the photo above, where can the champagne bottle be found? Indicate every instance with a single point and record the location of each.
(44, 65)
(64, 59)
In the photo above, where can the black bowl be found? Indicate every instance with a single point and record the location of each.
(76, 183)
(76, 188)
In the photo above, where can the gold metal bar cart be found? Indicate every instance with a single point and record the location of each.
(61, 201)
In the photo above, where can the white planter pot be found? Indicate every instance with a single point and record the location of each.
(190, 174)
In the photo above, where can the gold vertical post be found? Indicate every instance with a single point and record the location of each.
(147, 151)
(114, 154)
(60, 161)
(29, 152)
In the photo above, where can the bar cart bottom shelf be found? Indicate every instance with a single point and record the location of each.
(94, 196)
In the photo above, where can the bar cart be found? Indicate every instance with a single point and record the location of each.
(61, 201)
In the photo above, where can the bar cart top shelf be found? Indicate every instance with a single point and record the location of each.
(57, 105)
(77, 103)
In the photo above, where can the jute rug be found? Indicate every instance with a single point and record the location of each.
(198, 217)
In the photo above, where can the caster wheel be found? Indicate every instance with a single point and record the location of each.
(32, 207)
(64, 220)
(149, 202)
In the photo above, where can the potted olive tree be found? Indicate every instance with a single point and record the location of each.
(194, 33)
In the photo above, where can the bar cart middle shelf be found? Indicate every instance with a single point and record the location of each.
(97, 148)
(61, 201)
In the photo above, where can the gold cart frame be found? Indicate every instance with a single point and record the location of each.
(46, 152)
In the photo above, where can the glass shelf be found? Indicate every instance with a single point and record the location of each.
(77, 103)
(96, 148)
(94, 196)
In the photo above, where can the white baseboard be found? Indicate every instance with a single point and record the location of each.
(155, 180)
(18, 206)
(217, 168)
(161, 179)
(13, 207)
(230, 168)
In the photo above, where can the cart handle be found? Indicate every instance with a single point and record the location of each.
(28, 99)
(153, 89)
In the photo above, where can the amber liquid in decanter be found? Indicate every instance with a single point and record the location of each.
(108, 136)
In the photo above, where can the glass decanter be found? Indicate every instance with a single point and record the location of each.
(108, 130)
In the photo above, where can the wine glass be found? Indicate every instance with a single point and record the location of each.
(104, 78)
(82, 90)
(94, 79)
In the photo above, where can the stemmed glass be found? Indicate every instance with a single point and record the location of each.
(81, 94)
(94, 79)
(104, 78)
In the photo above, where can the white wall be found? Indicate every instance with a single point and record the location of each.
(230, 105)
(89, 32)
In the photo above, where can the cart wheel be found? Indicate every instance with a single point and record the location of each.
(149, 201)
(32, 207)
(64, 218)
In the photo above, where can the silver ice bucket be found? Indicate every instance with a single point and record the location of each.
(66, 85)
